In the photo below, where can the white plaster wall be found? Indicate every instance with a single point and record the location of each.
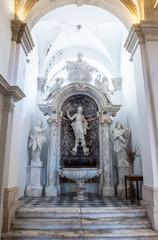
(25, 111)
(146, 119)
(6, 14)
(129, 107)
(28, 115)
(17, 121)
(128, 115)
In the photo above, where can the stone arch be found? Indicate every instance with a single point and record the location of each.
(125, 11)
(91, 91)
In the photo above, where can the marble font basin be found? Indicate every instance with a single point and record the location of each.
(80, 175)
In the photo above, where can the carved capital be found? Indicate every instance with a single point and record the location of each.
(22, 35)
(117, 81)
(140, 33)
(107, 121)
(53, 121)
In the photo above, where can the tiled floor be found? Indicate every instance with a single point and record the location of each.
(67, 200)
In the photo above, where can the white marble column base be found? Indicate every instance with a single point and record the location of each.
(34, 191)
(108, 191)
(150, 202)
(50, 191)
(122, 170)
(34, 188)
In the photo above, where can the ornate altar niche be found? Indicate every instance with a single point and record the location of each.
(60, 132)
(67, 138)
(92, 93)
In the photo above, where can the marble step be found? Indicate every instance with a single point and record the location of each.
(79, 212)
(119, 234)
(71, 224)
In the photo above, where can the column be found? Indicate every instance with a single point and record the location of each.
(51, 187)
(106, 159)
(142, 43)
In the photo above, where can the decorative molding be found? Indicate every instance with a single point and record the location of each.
(21, 34)
(141, 33)
(79, 3)
(117, 83)
(150, 202)
(8, 90)
(8, 107)
(28, 5)
(131, 6)
(10, 204)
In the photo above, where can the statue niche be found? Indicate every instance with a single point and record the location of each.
(69, 139)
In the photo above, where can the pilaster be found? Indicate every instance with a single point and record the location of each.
(106, 158)
(142, 43)
(140, 34)
(9, 95)
(51, 187)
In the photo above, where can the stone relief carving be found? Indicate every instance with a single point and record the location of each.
(81, 86)
(79, 70)
(56, 86)
(36, 141)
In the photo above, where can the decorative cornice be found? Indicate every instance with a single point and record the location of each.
(140, 33)
(22, 35)
(8, 90)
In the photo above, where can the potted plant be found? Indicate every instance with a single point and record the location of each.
(131, 156)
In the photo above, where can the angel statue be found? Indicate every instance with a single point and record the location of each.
(56, 86)
(103, 85)
(79, 126)
(36, 141)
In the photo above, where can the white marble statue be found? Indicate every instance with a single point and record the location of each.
(121, 137)
(56, 86)
(79, 126)
(36, 141)
(103, 85)
(79, 70)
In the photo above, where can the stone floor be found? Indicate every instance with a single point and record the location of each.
(67, 200)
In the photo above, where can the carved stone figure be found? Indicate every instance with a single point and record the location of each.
(121, 137)
(103, 85)
(36, 141)
(56, 86)
(79, 70)
(79, 126)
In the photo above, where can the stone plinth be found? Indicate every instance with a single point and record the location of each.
(122, 170)
(35, 188)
